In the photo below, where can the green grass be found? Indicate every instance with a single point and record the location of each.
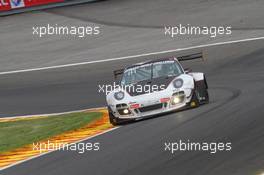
(16, 134)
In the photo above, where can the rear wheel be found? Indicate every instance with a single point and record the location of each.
(206, 100)
(201, 92)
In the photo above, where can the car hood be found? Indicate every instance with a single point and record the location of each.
(149, 86)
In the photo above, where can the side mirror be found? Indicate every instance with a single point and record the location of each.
(187, 70)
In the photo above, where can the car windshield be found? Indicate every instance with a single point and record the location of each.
(149, 71)
(136, 74)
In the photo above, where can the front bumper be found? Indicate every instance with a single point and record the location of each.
(152, 108)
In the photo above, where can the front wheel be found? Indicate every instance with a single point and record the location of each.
(195, 100)
(112, 119)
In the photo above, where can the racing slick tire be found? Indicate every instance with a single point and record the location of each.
(195, 100)
(201, 92)
(113, 120)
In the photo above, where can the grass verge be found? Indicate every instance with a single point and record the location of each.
(16, 134)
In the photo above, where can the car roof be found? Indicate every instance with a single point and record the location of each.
(152, 61)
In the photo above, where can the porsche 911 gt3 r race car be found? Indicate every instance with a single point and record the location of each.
(155, 87)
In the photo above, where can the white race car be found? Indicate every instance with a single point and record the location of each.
(155, 87)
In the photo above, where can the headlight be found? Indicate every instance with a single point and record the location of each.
(178, 83)
(119, 95)
(125, 111)
(176, 100)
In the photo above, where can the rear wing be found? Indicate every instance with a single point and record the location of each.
(118, 72)
(191, 57)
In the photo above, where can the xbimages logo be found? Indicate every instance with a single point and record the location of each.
(212, 147)
(77, 147)
(212, 31)
(138, 88)
(78, 31)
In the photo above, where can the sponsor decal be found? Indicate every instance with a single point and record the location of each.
(30, 3)
(17, 3)
(4, 5)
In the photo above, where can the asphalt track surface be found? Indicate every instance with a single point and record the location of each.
(128, 27)
(235, 114)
